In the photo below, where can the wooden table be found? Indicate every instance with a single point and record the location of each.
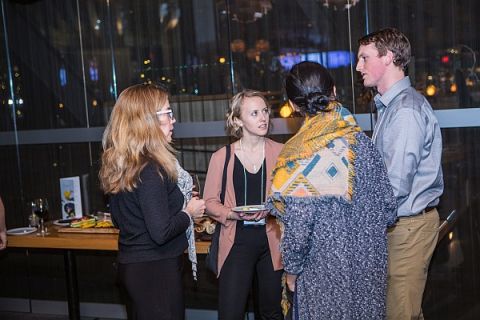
(77, 241)
(69, 242)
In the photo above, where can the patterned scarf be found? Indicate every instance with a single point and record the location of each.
(296, 172)
(185, 184)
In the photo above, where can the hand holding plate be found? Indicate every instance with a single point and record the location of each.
(234, 215)
(256, 216)
(251, 212)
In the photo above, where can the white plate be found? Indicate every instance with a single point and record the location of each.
(21, 231)
(249, 209)
(63, 222)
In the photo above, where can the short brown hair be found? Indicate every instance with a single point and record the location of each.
(390, 39)
(235, 110)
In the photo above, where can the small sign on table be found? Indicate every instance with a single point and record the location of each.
(71, 197)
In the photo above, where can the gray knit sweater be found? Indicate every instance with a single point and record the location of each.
(338, 248)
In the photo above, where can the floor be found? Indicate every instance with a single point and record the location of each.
(190, 315)
(36, 316)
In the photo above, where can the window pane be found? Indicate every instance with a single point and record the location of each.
(445, 44)
(46, 61)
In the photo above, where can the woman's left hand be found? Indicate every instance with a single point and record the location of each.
(257, 216)
(195, 207)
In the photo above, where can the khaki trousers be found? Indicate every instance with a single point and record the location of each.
(411, 243)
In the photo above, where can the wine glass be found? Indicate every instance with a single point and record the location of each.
(40, 209)
(196, 184)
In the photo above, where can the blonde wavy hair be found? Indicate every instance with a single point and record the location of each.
(133, 137)
(231, 126)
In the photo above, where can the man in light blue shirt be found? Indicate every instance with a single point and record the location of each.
(409, 139)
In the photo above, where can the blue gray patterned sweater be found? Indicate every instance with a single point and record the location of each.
(337, 247)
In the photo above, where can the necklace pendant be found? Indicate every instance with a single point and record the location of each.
(254, 168)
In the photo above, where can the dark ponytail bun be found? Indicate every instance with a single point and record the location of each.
(310, 86)
(316, 101)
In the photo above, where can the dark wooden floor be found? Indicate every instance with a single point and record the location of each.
(35, 316)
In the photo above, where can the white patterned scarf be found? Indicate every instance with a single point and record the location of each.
(185, 184)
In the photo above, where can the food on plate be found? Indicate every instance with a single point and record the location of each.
(199, 228)
(84, 222)
(210, 227)
(205, 224)
(104, 224)
(91, 222)
(249, 209)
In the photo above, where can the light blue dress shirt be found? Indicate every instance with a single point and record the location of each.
(408, 136)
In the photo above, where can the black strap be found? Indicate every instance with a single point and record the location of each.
(224, 177)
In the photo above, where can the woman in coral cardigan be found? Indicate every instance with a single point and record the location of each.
(249, 243)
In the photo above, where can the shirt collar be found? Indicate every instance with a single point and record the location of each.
(382, 101)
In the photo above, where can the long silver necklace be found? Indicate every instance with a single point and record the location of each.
(245, 185)
(254, 165)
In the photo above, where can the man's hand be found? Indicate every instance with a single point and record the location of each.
(3, 228)
(3, 239)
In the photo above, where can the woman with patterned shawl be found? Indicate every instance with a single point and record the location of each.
(333, 199)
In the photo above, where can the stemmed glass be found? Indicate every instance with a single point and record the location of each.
(196, 184)
(40, 208)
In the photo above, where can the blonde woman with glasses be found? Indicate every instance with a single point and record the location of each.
(139, 172)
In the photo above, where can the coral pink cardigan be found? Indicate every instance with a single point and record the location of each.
(219, 212)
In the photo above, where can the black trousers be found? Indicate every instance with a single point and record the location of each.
(249, 258)
(154, 289)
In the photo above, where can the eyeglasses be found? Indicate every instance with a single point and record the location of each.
(169, 113)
